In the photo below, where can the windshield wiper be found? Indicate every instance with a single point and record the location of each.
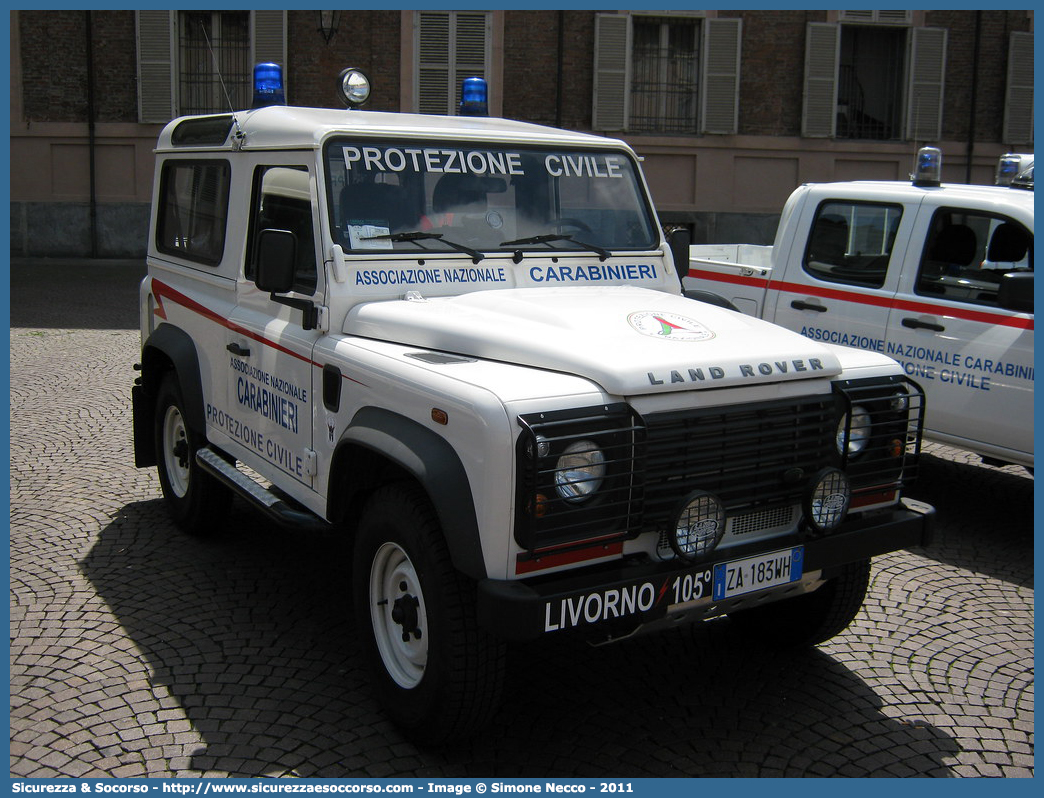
(602, 254)
(422, 235)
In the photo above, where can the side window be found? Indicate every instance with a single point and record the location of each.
(193, 209)
(282, 201)
(851, 242)
(967, 253)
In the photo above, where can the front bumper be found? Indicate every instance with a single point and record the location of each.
(617, 599)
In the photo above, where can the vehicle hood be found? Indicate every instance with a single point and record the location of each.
(628, 340)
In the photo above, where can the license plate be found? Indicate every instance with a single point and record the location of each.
(757, 573)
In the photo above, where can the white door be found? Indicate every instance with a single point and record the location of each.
(269, 346)
(839, 289)
(973, 358)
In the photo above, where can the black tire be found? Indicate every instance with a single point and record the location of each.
(197, 502)
(810, 619)
(445, 680)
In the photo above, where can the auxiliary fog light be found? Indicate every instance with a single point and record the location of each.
(827, 500)
(699, 526)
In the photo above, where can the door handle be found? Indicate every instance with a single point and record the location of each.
(917, 324)
(236, 349)
(799, 304)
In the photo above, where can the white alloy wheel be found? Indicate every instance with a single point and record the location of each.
(398, 615)
(176, 451)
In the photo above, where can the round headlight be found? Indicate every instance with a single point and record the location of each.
(858, 434)
(354, 87)
(900, 403)
(827, 500)
(699, 526)
(580, 471)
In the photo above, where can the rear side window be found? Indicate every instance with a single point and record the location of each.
(968, 252)
(193, 209)
(851, 242)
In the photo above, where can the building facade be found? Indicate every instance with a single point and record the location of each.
(730, 110)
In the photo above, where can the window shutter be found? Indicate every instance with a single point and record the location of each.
(469, 52)
(1018, 103)
(894, 17)
(721, 64)
(822, 52)
(924, 93)
(268, 42)
(612, 72)
(864, 15)
(155, 40)
(433, 48)
(451, 46)
(891, 17)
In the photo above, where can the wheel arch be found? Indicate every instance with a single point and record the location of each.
(168, 348)
(380, 445)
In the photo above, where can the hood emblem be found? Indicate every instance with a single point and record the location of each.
(668, 326)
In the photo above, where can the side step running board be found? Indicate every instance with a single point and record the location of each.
(256, 495)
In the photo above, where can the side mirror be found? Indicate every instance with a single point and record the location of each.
(276, 258)
(679, 239)
(1016, 292)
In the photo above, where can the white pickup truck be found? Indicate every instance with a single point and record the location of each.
(939, 277)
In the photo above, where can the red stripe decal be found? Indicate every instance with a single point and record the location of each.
(545, 561)
(161, 290)
(1018, 322)
(872, 498)
(663, 589)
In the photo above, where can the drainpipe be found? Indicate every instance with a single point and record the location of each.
(974, 96)
(558, 82)
(91, 139)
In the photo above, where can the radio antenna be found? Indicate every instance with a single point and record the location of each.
(239, 135)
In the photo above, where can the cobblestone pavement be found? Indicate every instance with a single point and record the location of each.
(139, 652)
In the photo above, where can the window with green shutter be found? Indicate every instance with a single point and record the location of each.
(213, 59)
(879, 81)
(1018, 104)
(450, 46)
(201, 62)
(673, 73)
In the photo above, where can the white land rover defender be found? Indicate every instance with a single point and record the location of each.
(463, 342)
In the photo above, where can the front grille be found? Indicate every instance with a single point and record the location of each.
(759, 459)
(750, 456)
(760, 520)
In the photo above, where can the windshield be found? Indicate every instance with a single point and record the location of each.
(406, 197)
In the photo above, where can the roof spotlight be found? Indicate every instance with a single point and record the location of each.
(353, 87)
